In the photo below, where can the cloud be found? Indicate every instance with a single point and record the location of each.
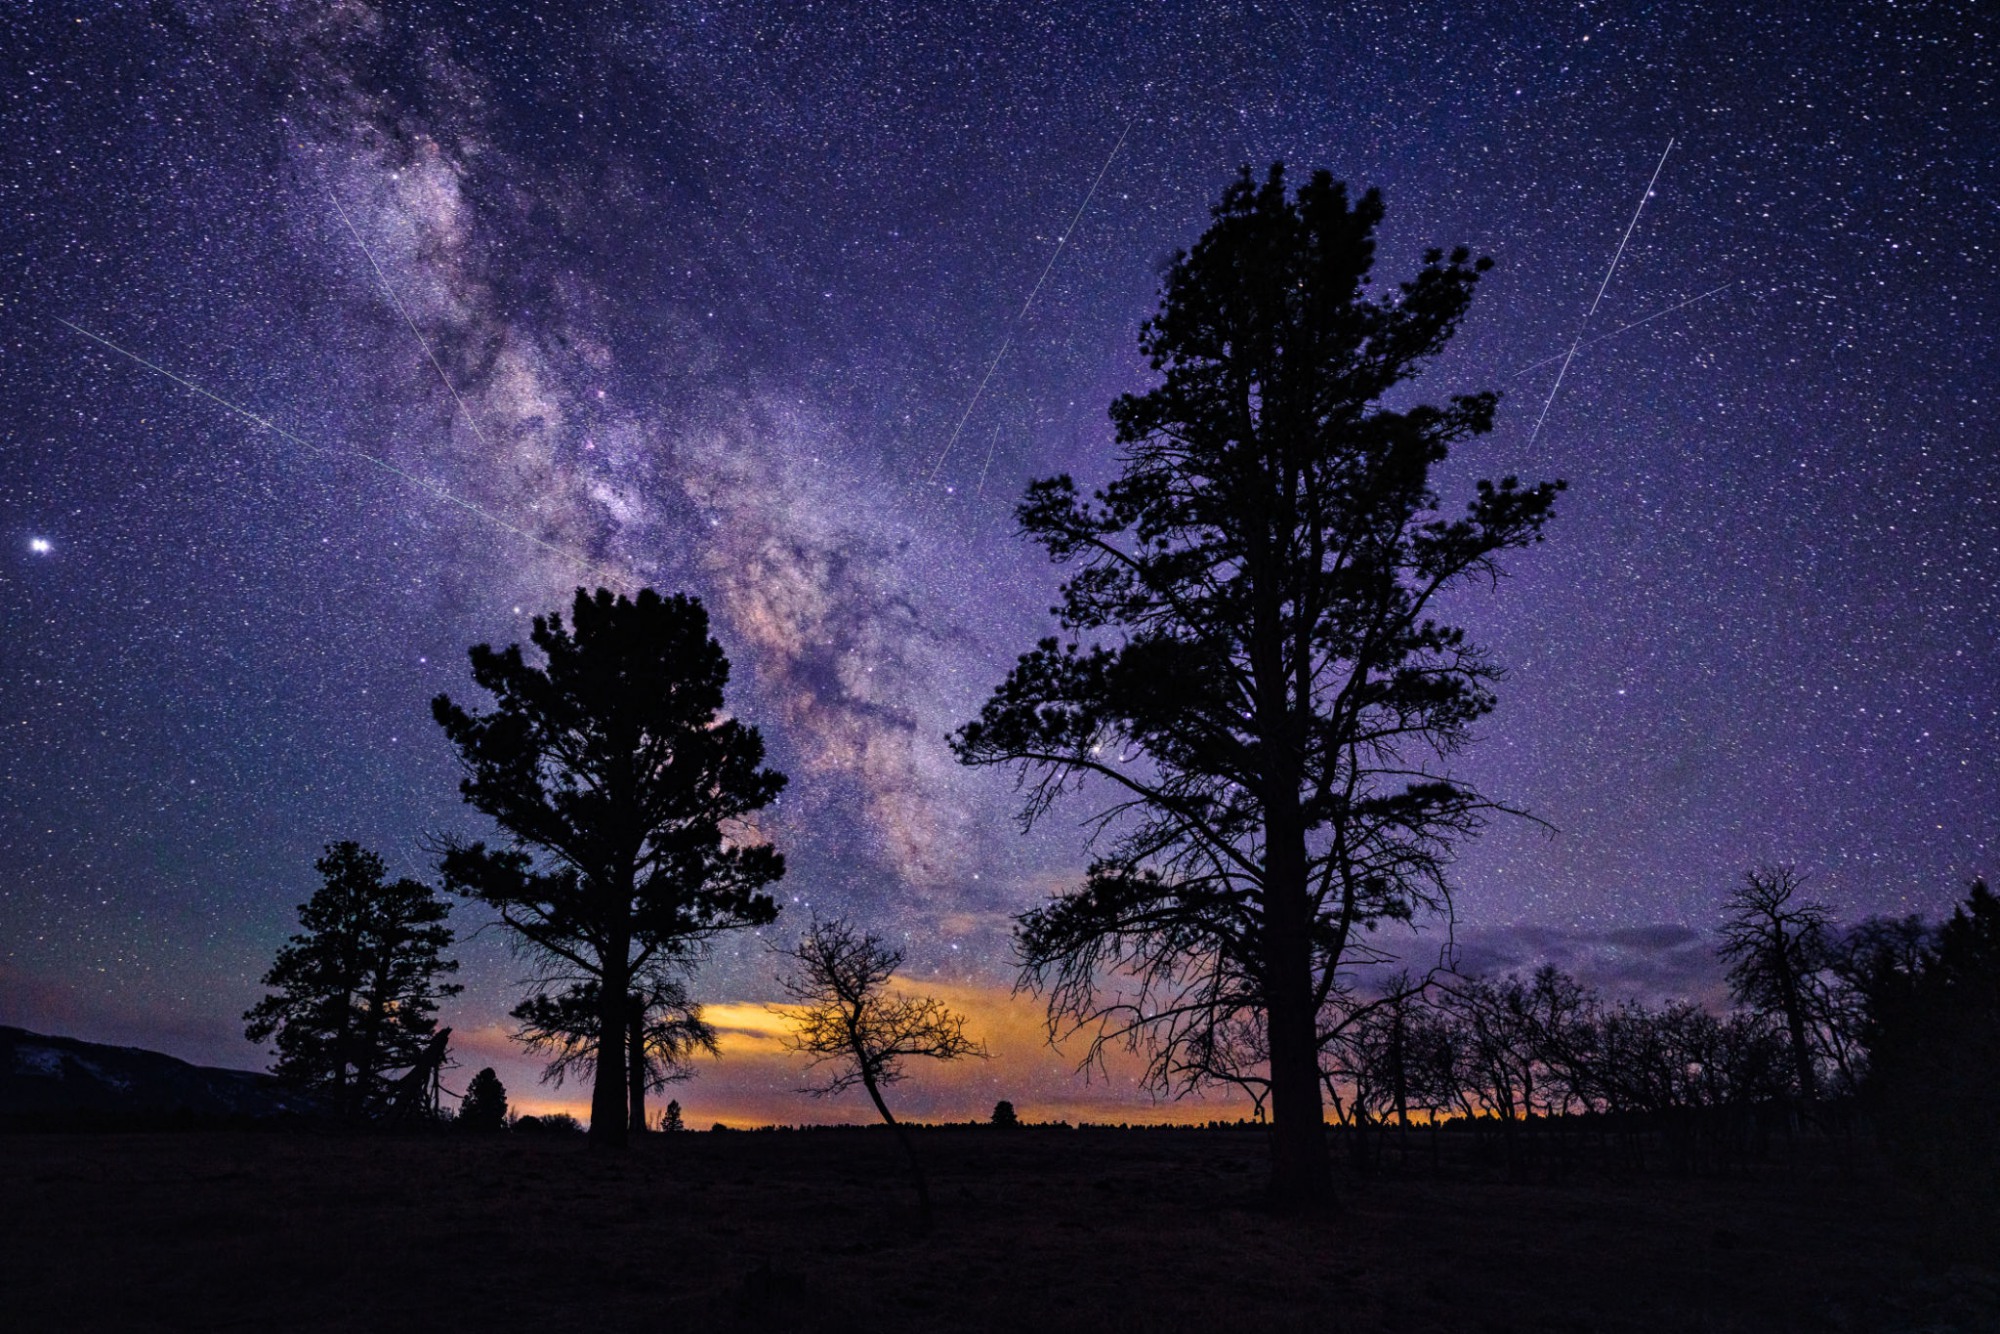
(1657, 961)
(745, 1027)
(1664, 936)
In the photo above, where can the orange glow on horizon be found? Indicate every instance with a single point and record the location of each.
(757, 1081)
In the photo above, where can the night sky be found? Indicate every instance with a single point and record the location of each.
(715, 291)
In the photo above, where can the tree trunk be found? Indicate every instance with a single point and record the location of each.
(909, 1150)
(1301, 1166)
(343, 1054)
(607, 1093)
(1398, 1075)
(371, 1042)
(636, 1064)
(1301, 1169)
(1795, 1023)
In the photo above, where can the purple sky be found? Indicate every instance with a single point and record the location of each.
(716, 290)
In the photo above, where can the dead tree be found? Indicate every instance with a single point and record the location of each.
(414, 1095)
(850, 1026)
(1778, 947)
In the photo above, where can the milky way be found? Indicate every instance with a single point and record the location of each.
(698, 297)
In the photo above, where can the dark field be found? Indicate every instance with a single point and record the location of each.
(1043, 1229)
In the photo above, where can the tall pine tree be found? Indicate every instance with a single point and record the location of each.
(356, 993)
(626, 797)
(1252, 669)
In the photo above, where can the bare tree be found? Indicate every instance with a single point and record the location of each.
(853, 1030)
(1778, 946)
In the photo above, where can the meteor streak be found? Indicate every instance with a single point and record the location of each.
(348, 453)
(382, 280)
(966, 416)
(1593, 342)
(1571, 356)
(985, 467)
(1092, 194)
(1033, 292)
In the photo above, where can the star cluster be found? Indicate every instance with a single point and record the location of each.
(730, 298)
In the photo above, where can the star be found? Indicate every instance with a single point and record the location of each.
(778, 454)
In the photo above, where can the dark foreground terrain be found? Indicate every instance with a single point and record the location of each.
(1040, 1229)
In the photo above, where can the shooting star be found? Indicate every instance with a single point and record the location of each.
(383, 465)
(1548, 402)
(966, 416)
(1035, 291)
(382, 280)
(1593, 342)
(987, 466)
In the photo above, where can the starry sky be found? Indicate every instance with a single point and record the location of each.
(783, 305)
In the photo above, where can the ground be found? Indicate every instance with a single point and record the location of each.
(1039, 1229)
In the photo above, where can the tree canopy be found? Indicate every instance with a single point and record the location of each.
(1932, 1030)
(1252, 666)
(627, 797)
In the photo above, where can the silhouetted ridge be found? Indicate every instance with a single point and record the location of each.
(46, 1080)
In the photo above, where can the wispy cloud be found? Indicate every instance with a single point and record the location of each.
(1663, 959)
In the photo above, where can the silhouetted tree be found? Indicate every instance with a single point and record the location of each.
(1681, 1056)
(484, 1107)
(848, 1024)
(1251, 658)
(357, 991)
(1778, 946)
(1395, 1017)
(1003, 1115)
(1368, 1049)
(1933, 1038)
(1875, 960)
(664, 1032)
(670, 1120)
(1514, 1053)
(626, 795)
(1432, 1062)
(1882, 954)
(1558, 1014)
(1499, 1055)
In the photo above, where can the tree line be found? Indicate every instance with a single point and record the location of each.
(1253, 684)
(1878, 1024)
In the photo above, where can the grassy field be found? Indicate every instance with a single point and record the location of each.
(1041, 1229)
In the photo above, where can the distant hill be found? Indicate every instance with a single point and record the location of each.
(50, 1080)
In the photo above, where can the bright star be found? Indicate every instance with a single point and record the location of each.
(41, 546)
